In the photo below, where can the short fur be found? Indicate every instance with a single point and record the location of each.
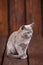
(19, 41)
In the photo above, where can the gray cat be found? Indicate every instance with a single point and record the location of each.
(18, 42)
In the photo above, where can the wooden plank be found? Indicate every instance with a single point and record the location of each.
(17, 14)
(3, 18)
(37, 15)
(10, 61)
(35, 51)
(27, 11)
(42, 18)
(2, 46)
(36, 61)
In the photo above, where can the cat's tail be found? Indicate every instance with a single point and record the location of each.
(14, 56)
(18, 56)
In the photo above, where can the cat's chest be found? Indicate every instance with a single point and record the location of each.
(19, 40)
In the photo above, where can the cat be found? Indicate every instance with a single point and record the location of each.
(19, 40)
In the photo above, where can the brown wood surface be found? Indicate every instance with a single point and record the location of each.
(35, 51)
(3, 18)
(17, 14)
(2, 46)
(10, 61)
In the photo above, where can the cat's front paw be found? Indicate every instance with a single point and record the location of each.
(24, 57)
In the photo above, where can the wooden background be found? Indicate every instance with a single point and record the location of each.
(14, 13)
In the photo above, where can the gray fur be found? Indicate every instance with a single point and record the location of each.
(19, 41)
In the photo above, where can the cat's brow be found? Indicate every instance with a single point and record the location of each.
(27, 29)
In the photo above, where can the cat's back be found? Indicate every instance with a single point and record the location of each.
(13, 34)
(12, 37)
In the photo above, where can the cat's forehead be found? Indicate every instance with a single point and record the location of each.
(27, 30)
(26, 27)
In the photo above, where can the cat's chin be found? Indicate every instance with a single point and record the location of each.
(25, 36)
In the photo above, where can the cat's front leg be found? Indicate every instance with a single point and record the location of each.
(11, 54)
(21, 53)
(19, 50)
(10, 49)
(25, 55)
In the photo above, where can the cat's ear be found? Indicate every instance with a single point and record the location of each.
(22, 27)
(31, 25)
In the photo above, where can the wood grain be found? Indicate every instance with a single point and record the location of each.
(3, 18)
(34, 7)
(17, 14)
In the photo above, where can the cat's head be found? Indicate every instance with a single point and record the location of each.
(26, 30)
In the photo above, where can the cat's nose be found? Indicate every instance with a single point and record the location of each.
(28, 32)
(26, 36)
